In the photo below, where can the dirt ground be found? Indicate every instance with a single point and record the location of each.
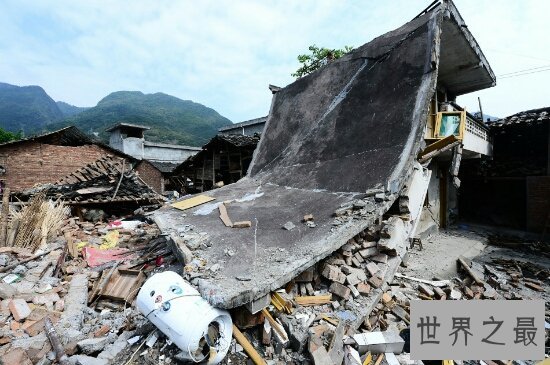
(482, 244)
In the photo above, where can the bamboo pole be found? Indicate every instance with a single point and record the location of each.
(4, 217)
(247, 346)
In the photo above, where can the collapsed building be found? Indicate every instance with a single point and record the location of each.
(223, 160)
(300, 253)
(341, 155)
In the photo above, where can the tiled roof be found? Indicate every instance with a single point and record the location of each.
(533, 116)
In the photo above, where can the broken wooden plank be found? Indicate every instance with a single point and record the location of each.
(438, 145)
(275, 325)
(192, 202)
(224, 216)
(470, 271)
(123, 285)
(438, 283)
(60, 355)
(247, 346)
(242, 224)
(533, 286)
(379, 359)
(437, 152)
(280, 303)
(94, 190)
(313, 300)
(368, 359)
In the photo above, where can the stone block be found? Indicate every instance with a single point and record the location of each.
(358, 257)
(333, 273)
(376, 281)
(306, 276)
(354, 292)
(257, 305)
(19, 309)
(6, 291)
(380, 258)
(369, 244)
(92, 345)
(46, 299)
(340, 290)
(368, 252)
(16, 356)
(372, 268)
(363, 289)
(425, 289)
(87, 360)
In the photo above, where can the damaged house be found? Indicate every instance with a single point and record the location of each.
(327, 176)
(513, 188)
(49, 157)
(223, 160)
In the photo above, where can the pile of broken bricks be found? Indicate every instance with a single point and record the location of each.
(351, 308)
(316, 317)
(60, 285)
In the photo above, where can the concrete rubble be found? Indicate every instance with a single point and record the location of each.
(326, 220)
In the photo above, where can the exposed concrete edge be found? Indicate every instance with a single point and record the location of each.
(339, 238)
(404, 169)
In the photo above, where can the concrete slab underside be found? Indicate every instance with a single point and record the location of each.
(352, 126)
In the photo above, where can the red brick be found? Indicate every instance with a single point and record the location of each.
(340, 290)
(29, 163)
(151, 175)
(19, 309)
(17, 356)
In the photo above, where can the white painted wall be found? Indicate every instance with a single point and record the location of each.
(166, 154)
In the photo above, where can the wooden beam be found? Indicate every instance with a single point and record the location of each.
(470, 271)
(438, 145)
(4, 217)
(247, 346)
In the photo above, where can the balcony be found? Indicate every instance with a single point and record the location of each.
(473, 134)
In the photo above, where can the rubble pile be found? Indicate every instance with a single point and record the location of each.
(84, 281)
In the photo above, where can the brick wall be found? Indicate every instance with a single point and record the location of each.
(538, 202)
(151, 176)
(30, 163)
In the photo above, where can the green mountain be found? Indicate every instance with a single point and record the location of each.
(69, 110)
(172, 120)
(26, 108)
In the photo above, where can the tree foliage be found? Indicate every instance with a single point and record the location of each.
(6, 136)
(317, 58)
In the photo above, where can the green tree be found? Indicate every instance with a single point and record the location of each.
(317, 58)
(6, 136)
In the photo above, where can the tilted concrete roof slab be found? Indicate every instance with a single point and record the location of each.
(352, 126)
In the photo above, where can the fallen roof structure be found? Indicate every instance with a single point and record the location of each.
(344, 133)
(106, 180)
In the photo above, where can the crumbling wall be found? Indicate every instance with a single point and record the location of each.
(538, 203)
(30, 163)
(151, 175)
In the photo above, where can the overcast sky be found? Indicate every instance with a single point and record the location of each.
(224, 54)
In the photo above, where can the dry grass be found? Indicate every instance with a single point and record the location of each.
(36, 223)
